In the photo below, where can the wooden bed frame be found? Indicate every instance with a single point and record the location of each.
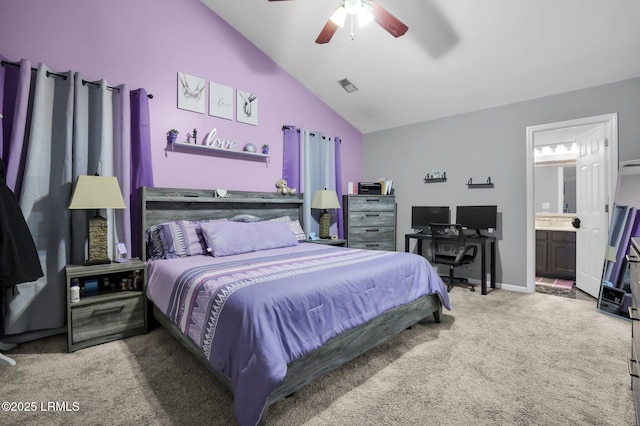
(166, 204)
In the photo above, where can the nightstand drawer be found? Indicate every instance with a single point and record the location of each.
(102, 319)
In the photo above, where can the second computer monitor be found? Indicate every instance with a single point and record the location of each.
(477, 217)
(422, 216)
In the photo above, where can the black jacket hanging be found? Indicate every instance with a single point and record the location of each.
(19, 261)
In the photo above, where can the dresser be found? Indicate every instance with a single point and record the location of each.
(634, 367)
(370, 221)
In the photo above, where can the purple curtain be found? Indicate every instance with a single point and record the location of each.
(141, 168)
(291, 157)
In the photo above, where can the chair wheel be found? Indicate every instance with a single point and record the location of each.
(472, 288)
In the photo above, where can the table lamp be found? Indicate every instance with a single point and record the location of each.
(95, 193)
(325, 199)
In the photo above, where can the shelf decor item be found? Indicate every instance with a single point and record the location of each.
(325, 199)
(95, 193)
(249, 148)
(265, 148)
(172, 136)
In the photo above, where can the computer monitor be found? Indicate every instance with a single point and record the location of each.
(477, 217)
(422, 216)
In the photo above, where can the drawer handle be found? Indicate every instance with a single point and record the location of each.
(107, 311)
(633, 313)
(373, 199)
(372, 245)
(372, 215)
(633, 368)
(372, 230)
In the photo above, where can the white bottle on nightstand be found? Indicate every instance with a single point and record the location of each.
(75, 291)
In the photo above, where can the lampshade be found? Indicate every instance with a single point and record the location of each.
(325, 199)
(97, 192)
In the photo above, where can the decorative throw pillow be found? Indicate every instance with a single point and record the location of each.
(155, 249)
(228, 238)
(297, 230)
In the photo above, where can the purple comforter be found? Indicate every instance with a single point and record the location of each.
(252, 314)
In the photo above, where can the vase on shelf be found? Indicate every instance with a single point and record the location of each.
(265, 149)
(172, 136)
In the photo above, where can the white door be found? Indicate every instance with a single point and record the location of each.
(591, 201)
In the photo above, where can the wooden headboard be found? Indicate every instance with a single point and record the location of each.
(166, 204)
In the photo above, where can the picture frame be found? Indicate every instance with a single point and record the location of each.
(220, 101)
(246, 107)
(191, 96)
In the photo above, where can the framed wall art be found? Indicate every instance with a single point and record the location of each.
(220, 101)
(191, 93)
(246, 107)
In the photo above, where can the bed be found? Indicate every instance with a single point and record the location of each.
(269, 315)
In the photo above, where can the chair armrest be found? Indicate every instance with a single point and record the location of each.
(470, 250)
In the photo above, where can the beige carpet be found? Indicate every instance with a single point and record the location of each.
(502, 359)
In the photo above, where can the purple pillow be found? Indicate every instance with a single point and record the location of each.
(227, 238)
(182, 238)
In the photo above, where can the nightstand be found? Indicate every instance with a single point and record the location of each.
(329, 242)
(106, 312)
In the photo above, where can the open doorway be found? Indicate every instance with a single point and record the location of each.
(596, 176)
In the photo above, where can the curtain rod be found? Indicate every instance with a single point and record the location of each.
(84, 82)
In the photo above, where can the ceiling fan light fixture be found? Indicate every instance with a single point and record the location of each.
(365, 14)
(339, 16)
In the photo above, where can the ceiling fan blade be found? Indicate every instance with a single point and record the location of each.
(327, 32)
(387, 21)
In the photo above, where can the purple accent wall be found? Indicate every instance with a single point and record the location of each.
(144, 43)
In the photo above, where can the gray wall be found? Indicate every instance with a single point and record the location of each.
(485, 143)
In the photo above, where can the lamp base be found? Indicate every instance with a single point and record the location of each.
(98, 241)
(325, 225)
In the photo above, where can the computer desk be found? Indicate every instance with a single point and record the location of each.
(483, 241)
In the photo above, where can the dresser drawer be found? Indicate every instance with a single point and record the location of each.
(107, 318)
(372, 203)
(371, 233)
(373, 245)
(371, 218)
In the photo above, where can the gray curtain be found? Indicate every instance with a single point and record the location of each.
(316, 170)
(61, 127)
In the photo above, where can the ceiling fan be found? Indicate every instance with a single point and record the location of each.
(365, 11)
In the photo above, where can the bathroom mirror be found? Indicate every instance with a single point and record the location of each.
(624, 224)
(555, 187)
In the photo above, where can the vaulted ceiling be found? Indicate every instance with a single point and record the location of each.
(457, 56)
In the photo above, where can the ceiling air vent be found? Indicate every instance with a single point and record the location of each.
(347, 85)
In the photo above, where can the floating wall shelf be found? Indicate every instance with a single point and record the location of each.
(434, 180)
(212, 149)
(487, 184)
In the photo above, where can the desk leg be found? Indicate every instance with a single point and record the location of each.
(483, 273)
(419, 245)
(406, 244)
(493, 264)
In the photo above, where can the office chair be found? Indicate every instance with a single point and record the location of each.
(448, 247)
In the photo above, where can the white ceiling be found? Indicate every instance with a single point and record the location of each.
(458, 55)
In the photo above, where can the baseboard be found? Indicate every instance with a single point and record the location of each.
(503, 286)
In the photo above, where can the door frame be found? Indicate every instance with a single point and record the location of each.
(611, 134)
